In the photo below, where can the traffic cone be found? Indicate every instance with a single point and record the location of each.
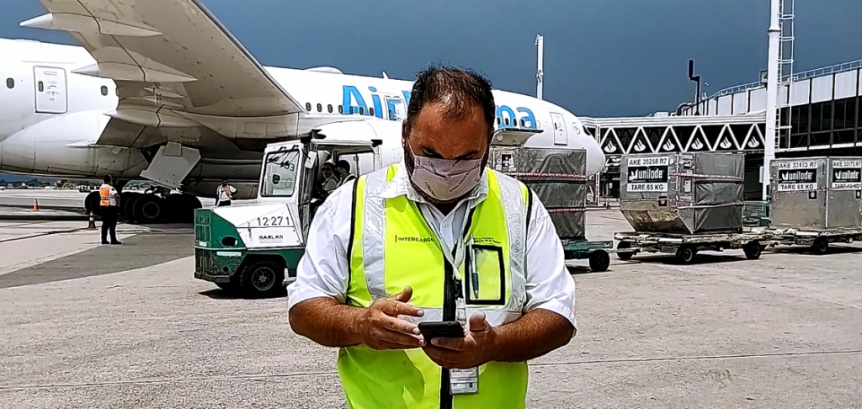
(92, 224)
(36, 205)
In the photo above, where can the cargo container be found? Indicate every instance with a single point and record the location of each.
(816, 201)
(684, 203)
(683, 193)
(816, 192)
(558, 178)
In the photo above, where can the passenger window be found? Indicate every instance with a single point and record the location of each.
(523, 124)
(104, 90)
(308, 106)
(371, 111)
(10, 83)
(319, 107)
(329, 108)
(361, 111)
(41, 86)
(340, 109)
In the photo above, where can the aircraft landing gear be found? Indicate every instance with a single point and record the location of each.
(159, 206)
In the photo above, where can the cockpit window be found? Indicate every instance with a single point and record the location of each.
(281, 172)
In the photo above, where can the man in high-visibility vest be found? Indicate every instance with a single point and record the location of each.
(109, 202)
(438, 237)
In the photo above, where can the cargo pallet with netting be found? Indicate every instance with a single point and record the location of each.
(686, 246)
(558, 178)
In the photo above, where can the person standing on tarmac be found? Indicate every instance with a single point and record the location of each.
(224, 194)
(109, 202)
(437, 237)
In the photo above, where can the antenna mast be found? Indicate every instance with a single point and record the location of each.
(540, 73)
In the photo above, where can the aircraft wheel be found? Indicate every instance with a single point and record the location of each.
(125, 197)
(175, 208)
(148, 209)
(187, 210)
(91, 203)
(128, 205)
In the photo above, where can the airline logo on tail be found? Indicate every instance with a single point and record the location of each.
(354, 103)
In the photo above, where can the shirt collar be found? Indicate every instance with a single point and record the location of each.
(400, 185)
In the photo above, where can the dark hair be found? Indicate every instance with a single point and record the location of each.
(462, 88)
(107, 179)
(343, 164)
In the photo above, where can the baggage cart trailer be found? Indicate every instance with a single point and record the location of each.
(818, 239)
(686, 246)
(597, 252)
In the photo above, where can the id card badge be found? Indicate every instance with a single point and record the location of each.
(464, 381)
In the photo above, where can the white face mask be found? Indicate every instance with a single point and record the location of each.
(445, 179)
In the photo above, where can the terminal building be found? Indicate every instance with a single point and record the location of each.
(818, 115)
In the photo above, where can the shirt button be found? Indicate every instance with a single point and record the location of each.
(445, 224)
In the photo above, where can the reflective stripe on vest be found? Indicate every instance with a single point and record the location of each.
(105, 195)
(391, 246)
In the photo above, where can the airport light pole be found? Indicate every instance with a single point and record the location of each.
(771, 94)
(540, 73)
(695, 78)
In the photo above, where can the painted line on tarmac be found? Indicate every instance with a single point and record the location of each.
(44, 234)
(163, 380)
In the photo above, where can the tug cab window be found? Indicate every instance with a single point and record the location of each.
(281, 173)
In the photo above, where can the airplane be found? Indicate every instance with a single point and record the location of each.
(160, 90)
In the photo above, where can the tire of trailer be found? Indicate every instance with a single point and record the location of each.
(685, 254)
(752, 250)
(820, 246)
(600, 260)
(622, 246)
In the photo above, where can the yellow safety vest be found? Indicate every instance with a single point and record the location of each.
(105, 195)
(408, 253)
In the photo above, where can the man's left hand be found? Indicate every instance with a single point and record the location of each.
(475, 349)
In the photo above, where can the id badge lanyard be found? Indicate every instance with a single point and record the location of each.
(465, 381)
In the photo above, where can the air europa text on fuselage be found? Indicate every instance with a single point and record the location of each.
(354, 103)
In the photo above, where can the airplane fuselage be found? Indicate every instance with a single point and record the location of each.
(51, 118)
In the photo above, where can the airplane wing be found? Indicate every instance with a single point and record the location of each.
(174, 65)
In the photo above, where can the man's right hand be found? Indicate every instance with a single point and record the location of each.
(380, 328)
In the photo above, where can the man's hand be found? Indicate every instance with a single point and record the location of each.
(475, 349)
(380, 328)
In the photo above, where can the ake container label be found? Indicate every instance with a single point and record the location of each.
(846, 175)
(797, 176)
(647, 174)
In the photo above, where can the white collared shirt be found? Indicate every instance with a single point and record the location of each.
(323, 270)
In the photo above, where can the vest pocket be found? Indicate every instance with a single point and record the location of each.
(485, 275)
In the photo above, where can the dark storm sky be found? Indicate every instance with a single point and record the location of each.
(602, 58)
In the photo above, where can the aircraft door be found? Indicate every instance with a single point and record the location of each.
(395, 107)
(561, 137)
(50, 88)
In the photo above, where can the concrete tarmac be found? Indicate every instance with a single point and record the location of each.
(91, 326)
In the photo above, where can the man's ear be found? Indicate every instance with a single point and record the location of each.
(405, 133)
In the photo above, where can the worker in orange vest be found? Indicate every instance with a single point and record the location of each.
(110, 205)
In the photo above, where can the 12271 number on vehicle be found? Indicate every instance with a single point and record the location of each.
(269, 221)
